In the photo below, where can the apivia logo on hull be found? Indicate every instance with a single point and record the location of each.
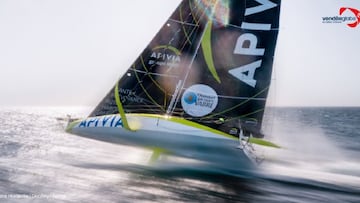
(112, 121)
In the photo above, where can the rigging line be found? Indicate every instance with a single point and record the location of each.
(182, 83)
(197, 26)
(170, 47)
(155, 82)
(193, 30)
(147, 101)
(239, 27)
(236, 106)
(184, 44)
(246, 115)
(190, 35)
(157, 74)
(145, 91)
(242, 98)
(143, 108)
(238, 98)
(203, 8)
(189, 16)
(192, 12)
(151, 78)
(144, 66)
(173, 100)
(199, 9)
(141, 105)
(183, 27)
(165, 101)
(185, 23)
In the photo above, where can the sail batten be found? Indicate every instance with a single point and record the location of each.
(156, 74)
(210, 63)
(184, 23)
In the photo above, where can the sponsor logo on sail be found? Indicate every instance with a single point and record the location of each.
(350, 16)
(165, 55)
(128, 95)
(247, 43)
(199, 100)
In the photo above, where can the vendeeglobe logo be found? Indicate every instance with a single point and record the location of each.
(352, 18)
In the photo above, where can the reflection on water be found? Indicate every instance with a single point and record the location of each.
(184, 184)
(39, 160)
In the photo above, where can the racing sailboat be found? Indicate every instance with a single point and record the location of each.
(199, 87)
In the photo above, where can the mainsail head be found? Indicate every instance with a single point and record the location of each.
(210, 63)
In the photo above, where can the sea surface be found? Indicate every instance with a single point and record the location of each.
(319, 162)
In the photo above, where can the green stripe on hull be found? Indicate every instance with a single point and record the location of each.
(120, 107)
(184, 122)
(264, 143)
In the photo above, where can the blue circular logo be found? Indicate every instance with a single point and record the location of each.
(190, 98)
(199, 100)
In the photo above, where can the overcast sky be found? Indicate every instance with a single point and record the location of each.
(71, 52)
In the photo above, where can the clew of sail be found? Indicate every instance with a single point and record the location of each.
(210, 64)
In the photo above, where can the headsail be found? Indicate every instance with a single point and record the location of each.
(210, 63)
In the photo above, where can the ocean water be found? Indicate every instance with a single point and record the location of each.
(39, 162)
